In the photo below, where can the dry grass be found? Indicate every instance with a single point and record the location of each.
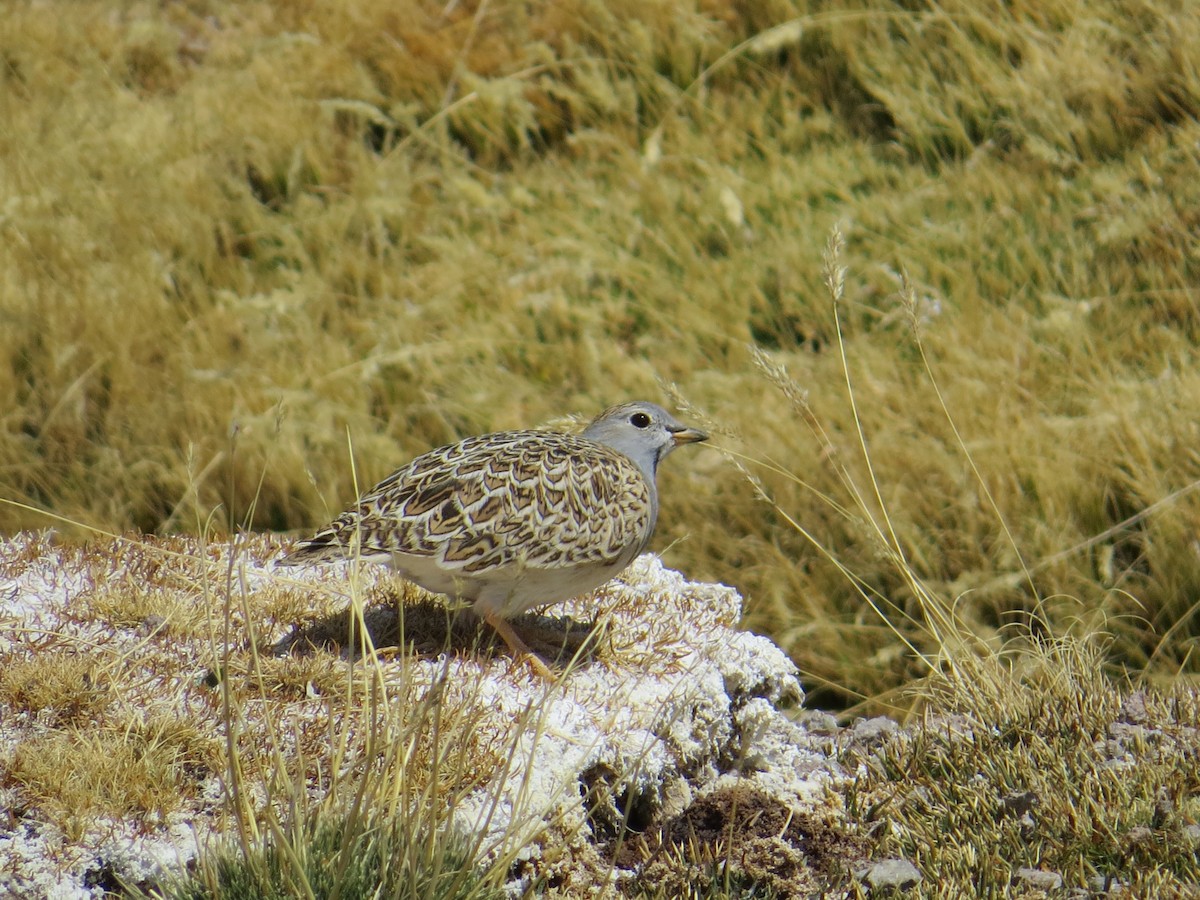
(61, 685)
(304, 759)
(1045, 765)
(294, 769)
(234, 235)
(77, 776)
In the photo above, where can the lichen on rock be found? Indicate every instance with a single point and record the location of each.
(666, 719)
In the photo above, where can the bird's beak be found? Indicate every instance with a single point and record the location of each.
(688, 436)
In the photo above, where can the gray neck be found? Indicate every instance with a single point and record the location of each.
(644, 456)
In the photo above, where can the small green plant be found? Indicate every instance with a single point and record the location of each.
(347, 857)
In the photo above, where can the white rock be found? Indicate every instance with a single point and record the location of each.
(674, 703)
(702, 714)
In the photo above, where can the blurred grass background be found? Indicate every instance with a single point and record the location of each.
(233, 234)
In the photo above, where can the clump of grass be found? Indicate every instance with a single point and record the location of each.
(1038, 761)
(62, 686)
(354, 802)
(80, 774)
(301, 676)
(131, 606)
(347, 857)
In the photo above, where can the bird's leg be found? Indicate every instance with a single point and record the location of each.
(519, 647)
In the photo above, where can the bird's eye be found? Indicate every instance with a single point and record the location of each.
(639, 420)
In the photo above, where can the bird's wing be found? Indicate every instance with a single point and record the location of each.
(534, 499)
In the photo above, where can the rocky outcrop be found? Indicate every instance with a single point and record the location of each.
(669, 727)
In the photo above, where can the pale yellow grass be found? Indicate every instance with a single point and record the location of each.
(235, 234)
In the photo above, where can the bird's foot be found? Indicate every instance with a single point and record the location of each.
(520, 649)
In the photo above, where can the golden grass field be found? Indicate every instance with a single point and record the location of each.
(928, 270)
(240, 239)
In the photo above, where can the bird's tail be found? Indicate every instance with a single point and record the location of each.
(329, 545)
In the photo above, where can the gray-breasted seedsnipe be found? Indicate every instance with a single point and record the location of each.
(516, 519)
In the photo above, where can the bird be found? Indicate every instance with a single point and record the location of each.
(515, 519)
